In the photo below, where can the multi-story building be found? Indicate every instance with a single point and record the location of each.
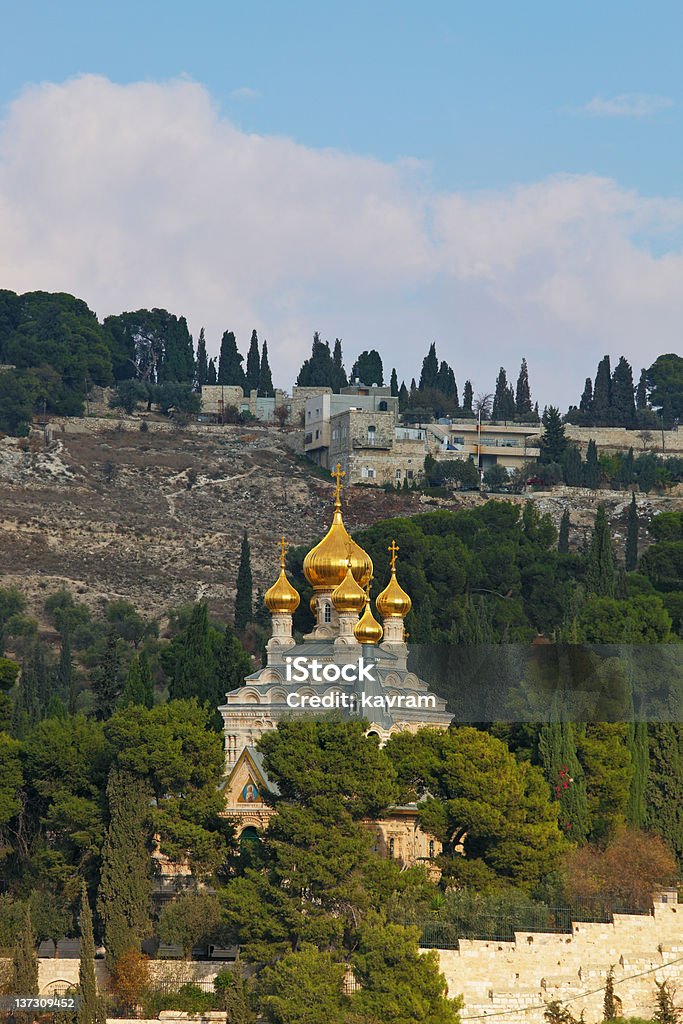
(372, 447)
(320, 410)
(510, 445)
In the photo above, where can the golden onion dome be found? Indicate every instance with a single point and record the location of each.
(282, 598)
(368, 630)
(325, 565)
(349, 597)
(393, 602)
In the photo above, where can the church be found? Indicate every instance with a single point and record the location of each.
(349, 664)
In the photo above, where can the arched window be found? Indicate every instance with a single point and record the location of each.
(327, 614)
(391, 848)
(248, 840)
(383, 406)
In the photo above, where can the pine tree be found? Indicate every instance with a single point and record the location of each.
(586, 403)
(639, 745)
(641, 390)
(591, 474)
(321, 369)
(631, 558)
(666, 1012)
(244, 597)
(87, 984)
(230, 369)
(601, 575)
(467, 397)
(24, 971)
(430, 369)
(563, 536)
(503, 399)
(573, 466)
(602, 394)
(212, 376)
(253, 365)
(394, 383)
(609, 1003)
(202, 360)
(265, 383)
(125, 881)
(623, 406)
(368, 368)
(553, 442)
(557, 749)
(523, 407)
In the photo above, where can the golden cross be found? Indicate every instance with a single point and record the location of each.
(338, 475)
(283, 549)
(393, 550)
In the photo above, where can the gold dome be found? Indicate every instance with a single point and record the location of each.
(393, 602)
(349, 597)
(282, 598)
(325, 565)
(368, 630)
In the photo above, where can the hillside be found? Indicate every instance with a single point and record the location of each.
(157, 517)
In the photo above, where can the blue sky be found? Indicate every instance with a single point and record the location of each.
(460, 104)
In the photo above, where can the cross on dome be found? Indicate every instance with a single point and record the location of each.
(338, 473)
(393, 550)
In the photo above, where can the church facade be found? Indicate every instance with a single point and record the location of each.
(349, 663)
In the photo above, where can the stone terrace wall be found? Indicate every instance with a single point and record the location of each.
(619, 438)
(499, 978)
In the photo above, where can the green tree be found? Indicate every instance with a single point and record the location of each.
(368, 368)
(11, 780)
(125, 883)
(322, 369)
(24, 971)
(430, 369)
(665, 383)
(626, 469)
(586, 403)
(667, 1012)
(623, 406)
(602, 394)
(400, 984)
(244, 595)
(496, 478)
(610, 1009)
(87, 983)
(553, 442)
(591, 473)
(631, 556)
(503, 399)
(573, 466)
(304, 987)
(645, 469)
(253, 364)
(202, 360)
(523, 406)
(139, 685)
(557, 749)
(16, 405)
(664, 794)
(638, 745)
(107, 678)
(193, 919)
(467, 397)
(230, 369)
(563, 536)
(189, 661)
(233, 995)
(265, 381)
(641, 391)
(211, 375)
(394, 383)
(601, 574)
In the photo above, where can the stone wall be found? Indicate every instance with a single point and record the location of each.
(613, 439)
(498, 978)
(55, 974)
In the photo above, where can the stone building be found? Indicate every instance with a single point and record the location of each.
(217, 398)
(372, 447)
(348, 663)
(321, 409)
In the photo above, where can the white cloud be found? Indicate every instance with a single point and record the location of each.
(627, 104)
(143, 195)
(245, 92)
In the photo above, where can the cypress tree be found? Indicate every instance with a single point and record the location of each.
(631, 558)
(202, 360)
(403, 396)
(265, 382)
(394, 383)
(230, 369)
(107, 676)
(563, 536)
(592, 467)
(24, 971)
(467, 396)
(553, 442)
(639, 746)
(368, 368)
(193, 671)
(138, 688)
(430, 369)
(65, 672)
(337, 356)
(321, 368)
(626, 467)
(573, 466)
(664, 792)
(413, 390)
(557, 748)
(523, 407)
(253, 364)
(609, 1003)
(503, 399)
(212, 376)
(601, 574)
(645, 468)
(623, 406)
(641, 390)
(87, 984)
(125, 881)
(586, 403)
(602, 394)
(244, 597)
(667, 1012)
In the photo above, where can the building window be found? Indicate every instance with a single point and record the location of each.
(398, 474)
(371, 435)
(367, 473)
(317, 434)
(308, 414)
(383, 406)
(335, 435)
(431, 849)
(327, 614)
(308, 438)
(409, 474)
(391, 848)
